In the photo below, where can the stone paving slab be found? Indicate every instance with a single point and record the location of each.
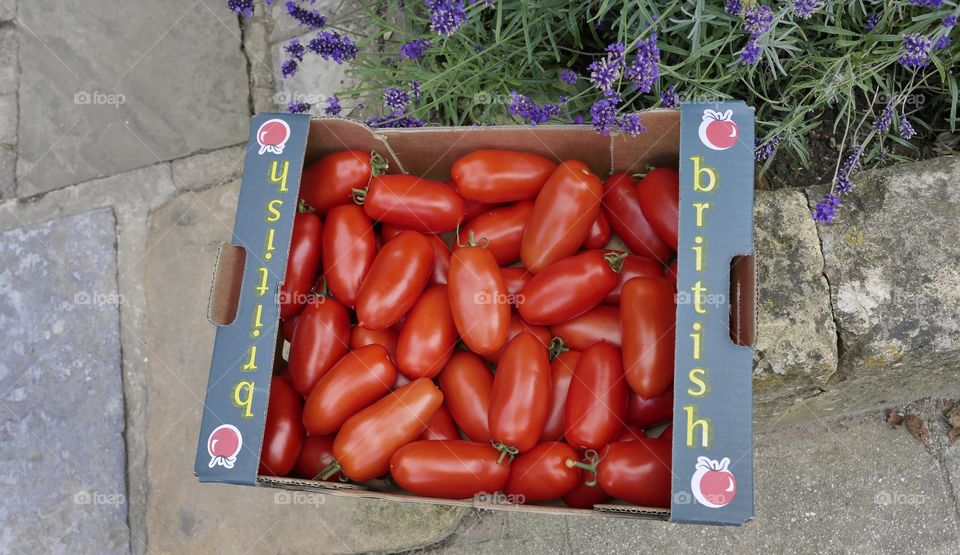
(890, 260)
(62, 465)
(8, 57)
(8, 119)
(115, 85)
(133, 195)
(256, 49)
(183, 515)
(933, 413)
(208, 169)
(8, 167)
(796, 348)
(849, 486)
(8, 10)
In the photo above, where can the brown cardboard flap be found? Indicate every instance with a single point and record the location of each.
(743, 300)
(353, 490)
(659, 146)
(634, 510)
(225, 289)
(302, 484)
(334, 134)
(430, 152)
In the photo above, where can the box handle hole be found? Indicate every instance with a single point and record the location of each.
(743, 300)
(227, 279)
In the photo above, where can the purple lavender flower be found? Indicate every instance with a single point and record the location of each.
(242, 7)
(446, 16)
(306, 18)
(933, 4)
(915, 51)
(942, 43)
(630, 124)
(646, 66)
(669, 98)
(615, 52)
(288, 68)
(906, 129)
(414, 49)
(395, 98)
(805, 8)
(883, 122)
(765, 149)
(295, 49)
(842, 183)
(733, 7)
(333, 106)
(524, 108)
(950, 21)
(757, 20)
(562, 99)
(603, 75)
(569, 76)
(603, 114)
(410, 121)
(578, 119)
(871, 21)
(521, 105)
(378, 121)
(395, 119)
(826, 209)
(750, 53)
(415, 90)
(330, 45)
(605, 72)
(297, 107)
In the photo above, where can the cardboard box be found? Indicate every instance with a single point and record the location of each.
(712, 144)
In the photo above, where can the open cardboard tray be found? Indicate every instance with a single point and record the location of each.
(711, 144)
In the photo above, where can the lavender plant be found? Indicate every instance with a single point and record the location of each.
(880, 74)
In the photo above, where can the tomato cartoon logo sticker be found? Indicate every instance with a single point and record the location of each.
(273, 135)
(713, 484)
(718, 131)
(223, 445)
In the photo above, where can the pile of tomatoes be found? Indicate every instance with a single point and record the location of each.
(510, 331)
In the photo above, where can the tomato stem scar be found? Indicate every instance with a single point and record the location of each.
(359, 196)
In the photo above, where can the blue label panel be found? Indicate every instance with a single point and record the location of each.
(234, 413)
(712, 445)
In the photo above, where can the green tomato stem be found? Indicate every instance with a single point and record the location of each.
(378, 164)
(472, 241)
(593, 460)
(557, 348)
(615, 260)
(330, 470)
(505, 451)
